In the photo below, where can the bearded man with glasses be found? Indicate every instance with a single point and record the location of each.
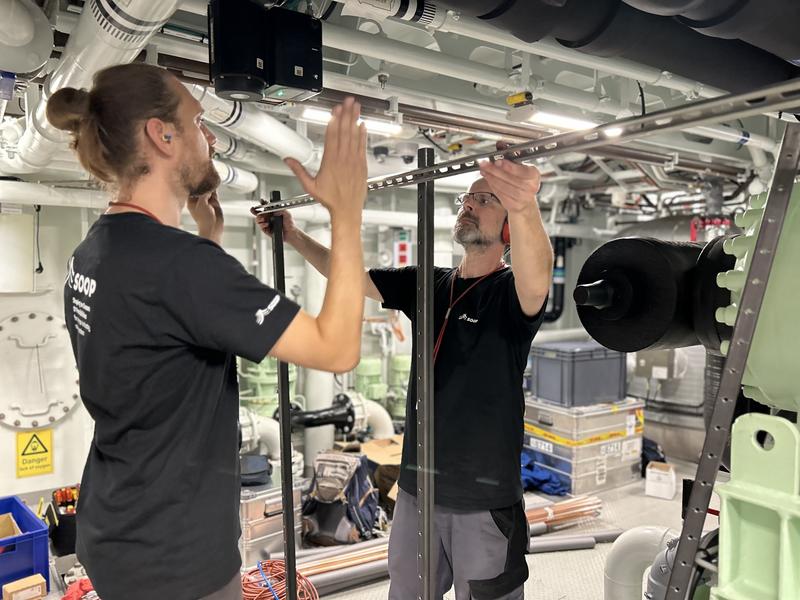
(485, 317)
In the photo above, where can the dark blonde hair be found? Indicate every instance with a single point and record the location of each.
(106, 121)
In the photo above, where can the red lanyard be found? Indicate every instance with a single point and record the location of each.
(454, 302)
(139, 208)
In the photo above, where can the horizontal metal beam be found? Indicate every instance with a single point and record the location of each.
(776, 97)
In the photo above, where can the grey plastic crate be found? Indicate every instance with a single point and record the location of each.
(577, 373)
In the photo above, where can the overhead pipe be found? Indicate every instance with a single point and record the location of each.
(436, 62)
(341, 38)
(235, 178)
(428, 60)
(29, 194)
(631, 554)
(254, 125)
(105, 35)
(767, 24)
(477, 29)
(26, 38)
(611, 29)
(18, 27)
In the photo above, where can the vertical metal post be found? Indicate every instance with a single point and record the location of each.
(424, 360)
(287, 487)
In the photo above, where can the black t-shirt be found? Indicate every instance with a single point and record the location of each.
(156, 316)
(479, 403)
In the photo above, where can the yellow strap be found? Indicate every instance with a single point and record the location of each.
(600, 437)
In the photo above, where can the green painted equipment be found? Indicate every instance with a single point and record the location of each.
(259, 386)
(759, 554)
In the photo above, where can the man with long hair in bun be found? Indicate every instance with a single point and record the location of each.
(157, 316)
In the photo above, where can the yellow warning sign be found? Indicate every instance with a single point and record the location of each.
(34, 452)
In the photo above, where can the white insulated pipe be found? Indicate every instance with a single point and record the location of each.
(318, 214)
(475, 29)
(367, 44)
(318, 385)
(18, 26)
(235, 178)
(105, 35)
(254, 125)
(358, 42)
(269, 434)
(28, 194)
(631, 554)
(378, 420)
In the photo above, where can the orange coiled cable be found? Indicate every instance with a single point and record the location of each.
(254, 588)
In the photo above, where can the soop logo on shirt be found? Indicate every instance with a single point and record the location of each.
(80, 283)
(261, 313)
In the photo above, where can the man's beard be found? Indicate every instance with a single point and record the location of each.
(198, 182)
(468, 233)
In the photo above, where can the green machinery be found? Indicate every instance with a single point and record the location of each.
(259, 390)
(737, 296)
(370, 382)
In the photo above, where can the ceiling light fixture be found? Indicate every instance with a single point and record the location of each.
(322, 116)
(528, 113)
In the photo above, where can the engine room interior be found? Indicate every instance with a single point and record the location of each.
(653, 407)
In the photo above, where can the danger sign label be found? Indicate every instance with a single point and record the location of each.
(34, 452)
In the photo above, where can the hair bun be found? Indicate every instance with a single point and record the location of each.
(67, 107)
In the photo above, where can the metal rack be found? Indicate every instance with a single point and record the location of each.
(772, 98)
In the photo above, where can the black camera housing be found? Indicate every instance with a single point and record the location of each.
(257, 52)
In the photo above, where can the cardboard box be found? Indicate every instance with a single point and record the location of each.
(8, 526)
(29, 588)
(660, 481)
(384, 452)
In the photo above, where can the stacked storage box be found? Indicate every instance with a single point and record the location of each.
(589, 448)
(578, 424)
(262, 522)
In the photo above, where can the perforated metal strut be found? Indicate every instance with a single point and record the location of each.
(744, 329)
(772, 98)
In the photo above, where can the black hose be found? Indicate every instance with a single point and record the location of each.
(559, 271)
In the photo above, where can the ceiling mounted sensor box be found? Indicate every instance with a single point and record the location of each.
(257, 53)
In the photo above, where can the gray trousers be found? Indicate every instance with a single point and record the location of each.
(231, 591)
(473, 552)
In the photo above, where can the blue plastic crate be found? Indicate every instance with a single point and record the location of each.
(25, 554)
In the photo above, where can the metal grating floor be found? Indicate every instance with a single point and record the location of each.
(577, 575)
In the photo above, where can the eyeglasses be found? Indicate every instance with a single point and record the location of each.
(481, 198)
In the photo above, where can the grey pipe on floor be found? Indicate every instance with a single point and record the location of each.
(581, 541)
(309, 554)
(327, 583)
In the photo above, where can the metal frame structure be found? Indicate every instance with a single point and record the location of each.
(284, 408)
(772, 98)
(425, 401)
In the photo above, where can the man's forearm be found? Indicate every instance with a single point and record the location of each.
(343, 306)
(533, 258)
(315, 253)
